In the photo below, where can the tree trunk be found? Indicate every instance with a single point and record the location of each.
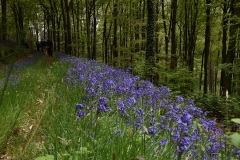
(150, 62)
(64, 27)
(68, 25)
(235, 10)
(224, 47)
(192, 35)
(58, 32)
(207, 46)
(165, 29)
(105, 37)
(4, 19)
(173, 35)
(157, 28)
(88, 18)
(14, 10)
(143, 47)
(94, 54)
(115, 24)
(21, 26)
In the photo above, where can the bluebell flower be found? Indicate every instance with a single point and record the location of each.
(179, 99)
(118, 132)
(152, 130)
(139, 121)
(136, 79)
(163, 142)
(128, 81)
(80, 106)
(184, 144)
(81, 114)
(213, 148)
(103, 100)
(121, 89)
(204, 157)
(108, 84)
(121, 106)
(195, 135)
(185, 118)
(131, 101)
(140, 111)
(101, 108)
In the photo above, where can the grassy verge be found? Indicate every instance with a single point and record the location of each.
(25, 101)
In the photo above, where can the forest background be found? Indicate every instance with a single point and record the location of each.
(191, 46)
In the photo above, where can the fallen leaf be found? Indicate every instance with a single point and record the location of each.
(39, 101)
(30, 127)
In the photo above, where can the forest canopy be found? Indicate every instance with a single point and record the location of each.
(192, 46)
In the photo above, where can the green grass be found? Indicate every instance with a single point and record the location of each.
(20, 112)
(38, 117)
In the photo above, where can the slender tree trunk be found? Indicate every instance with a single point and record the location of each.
(173, 35)
(58, 32)
(48, 26)
(105, 41)
(165, 29)
(157, 28)
(68, 25)
(88, 18)
(78, 29)
(235, 10)
(207, 46)
(4, 19)
(143, 47)
(44, 25)
(20, 22)
(105, 37)
(115, 26)
(192, 35)
(94, 53)
(150, 59)
(224, 47)
(74, 28)
(14, 10)
(64, 27)
(185, 30)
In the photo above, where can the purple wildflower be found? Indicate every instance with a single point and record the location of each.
(152, 130)
(101, 108)
(185, 119)
(81, 114)
(163, 142)
(103, 100)
(184, 144)
(131, 101)
(121, 107)
(80, 106)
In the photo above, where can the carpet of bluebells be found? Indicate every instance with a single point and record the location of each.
(168, 127)
(171, 127)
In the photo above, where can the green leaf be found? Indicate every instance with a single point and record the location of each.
(83, 150)
(47, 157)
(236, 120)
(235, 140)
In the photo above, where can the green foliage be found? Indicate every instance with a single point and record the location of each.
(236, 120)
(219, 107)
(235, 140)
(139, 65)
(10, 53)
(47, 157)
